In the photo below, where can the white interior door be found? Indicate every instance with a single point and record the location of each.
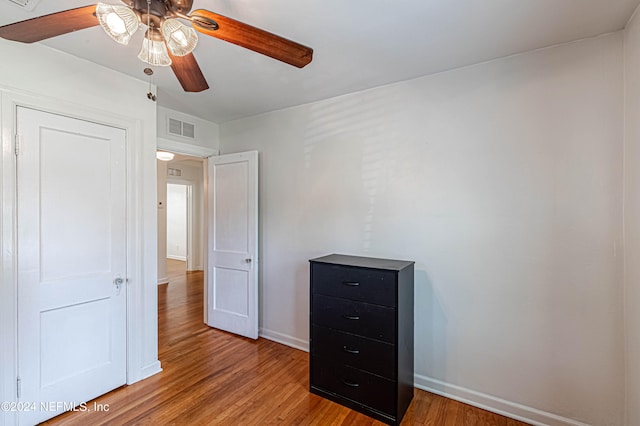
(233, 243)
(71, 262)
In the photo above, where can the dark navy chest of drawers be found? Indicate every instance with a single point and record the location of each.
(361, 346)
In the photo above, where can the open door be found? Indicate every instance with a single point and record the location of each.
(232, 275)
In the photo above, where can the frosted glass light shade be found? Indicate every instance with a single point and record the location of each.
(164, 156)
(118, 21)
(180, 38)
(154, 52)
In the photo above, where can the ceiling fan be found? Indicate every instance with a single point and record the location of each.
(168, 41)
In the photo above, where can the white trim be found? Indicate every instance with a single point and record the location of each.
(180, 258)
(186, 148)
(207, 205)
(492, 403)
(150, 370)
(458, 393)
(285, 339)
(8, 286)
(163, 280)
(190, 240)
(141, 290)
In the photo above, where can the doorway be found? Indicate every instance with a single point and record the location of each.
(178, 221)
(181, 203)
(229, 243)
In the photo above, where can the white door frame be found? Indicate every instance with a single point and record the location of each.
(141, 297)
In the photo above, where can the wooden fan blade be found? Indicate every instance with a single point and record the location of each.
(254, 39)
(47, 26)
(189, 74)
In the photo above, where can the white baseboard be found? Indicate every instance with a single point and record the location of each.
(285, 339)
(163, 280)
(458, 393)
(150, 370)
(181, 258)
(492, 403)
(144, 372)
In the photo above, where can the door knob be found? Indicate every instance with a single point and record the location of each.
(248, 260)
(118, 281)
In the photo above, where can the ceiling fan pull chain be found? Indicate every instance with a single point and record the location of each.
(150, 95)
(149, 71)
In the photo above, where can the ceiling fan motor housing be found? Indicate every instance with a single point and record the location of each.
(161, 8)
(181, 6)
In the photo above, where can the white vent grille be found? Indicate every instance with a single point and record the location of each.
(174, 172)
(175, 127)
(26, 4)
(180, 128)
(188, 130)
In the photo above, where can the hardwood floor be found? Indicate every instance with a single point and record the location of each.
(215, 378)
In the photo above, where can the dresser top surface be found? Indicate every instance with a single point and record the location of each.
(363, 262)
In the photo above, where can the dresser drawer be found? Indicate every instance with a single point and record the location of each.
(373, 321)
(360, 352)
(354, 384)
(361, 284)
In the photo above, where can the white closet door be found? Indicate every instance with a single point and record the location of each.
(71, 261)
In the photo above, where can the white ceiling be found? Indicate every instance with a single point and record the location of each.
(358, 44)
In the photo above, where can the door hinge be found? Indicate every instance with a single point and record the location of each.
(17, 144)
(19, 387)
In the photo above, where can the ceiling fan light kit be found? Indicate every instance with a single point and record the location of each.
(180, 39)
(118, 21)
(167, 40)
(154, 50)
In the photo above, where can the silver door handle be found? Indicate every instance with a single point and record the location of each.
(118, 282)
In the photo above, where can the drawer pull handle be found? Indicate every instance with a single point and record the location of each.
(350, 383)
(351, 351)
(351, 317)
(351, 283)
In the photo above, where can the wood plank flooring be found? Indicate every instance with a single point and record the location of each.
(215, 378)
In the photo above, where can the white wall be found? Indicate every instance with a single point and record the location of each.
(503, 181)
(45, 78)
(177, 221)
(632, 217)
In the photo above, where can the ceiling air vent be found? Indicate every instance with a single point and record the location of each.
(26, 4)
(181, 128)
(188, 130)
